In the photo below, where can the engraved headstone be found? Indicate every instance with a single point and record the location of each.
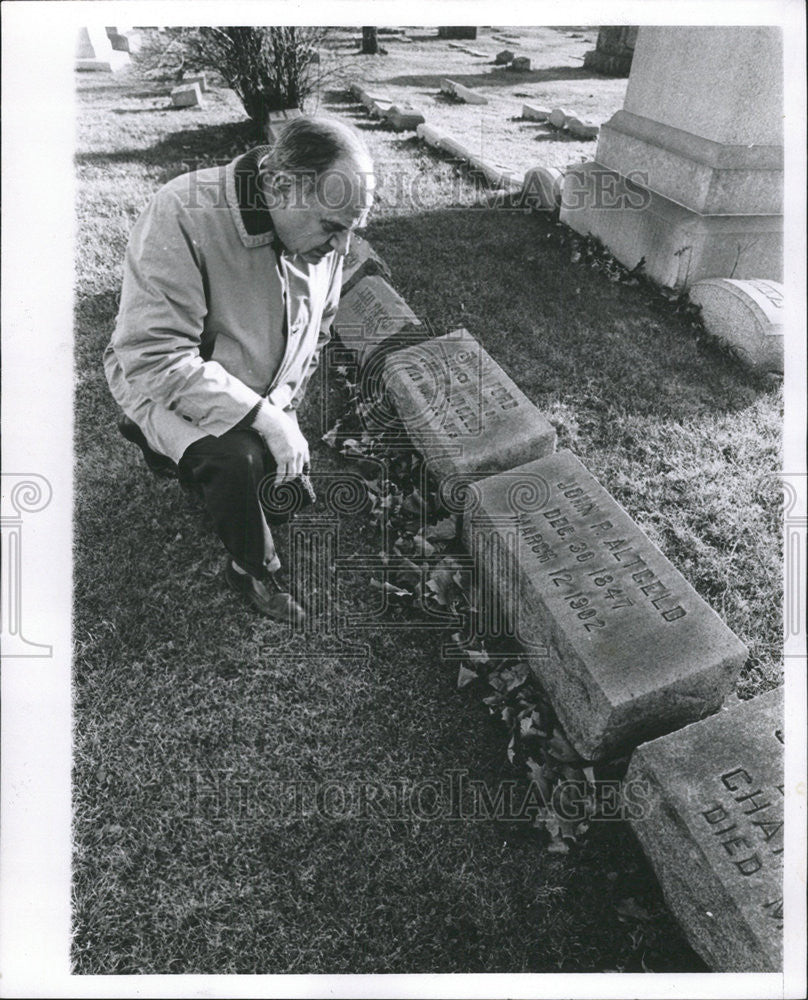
(747, 315)
(371, 314)
(712, 827)
(461, 410)
(360, 261)
(633, 652)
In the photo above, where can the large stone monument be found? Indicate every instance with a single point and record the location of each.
(689, 175)
(94, 52)
(712, 828)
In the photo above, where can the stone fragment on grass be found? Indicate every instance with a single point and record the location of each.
(520, 64)
(187, 96)
(747, 315)
(628, 649)
(557, 117)
(404, 117)
(461, 410)
(461, 93)
(534, 114)
(504, 57)
(712, 828)
(581, 130)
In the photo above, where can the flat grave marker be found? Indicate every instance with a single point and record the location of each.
(633, 651)
(369, 314)
(712, 828)
(461, 410)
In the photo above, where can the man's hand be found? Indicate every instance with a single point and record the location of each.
(283, 438)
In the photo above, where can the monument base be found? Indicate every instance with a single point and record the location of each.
(679, 246)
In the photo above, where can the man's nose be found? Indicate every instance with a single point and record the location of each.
(341, 242)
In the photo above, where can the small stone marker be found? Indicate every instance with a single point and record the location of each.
(360, 261)
(460, 409)
(369, 315)
(503, 57)
(581, 130)
(434, 137)
(380, 108)
(520, 64)
(497, 174)
(277, 119)
(534, 114)
(633, 651)
(712, 827)
(557, 117)
(404, 117)
(202, 80)
(461, 93)
(543, 187)
(747, 315)
(187, 96)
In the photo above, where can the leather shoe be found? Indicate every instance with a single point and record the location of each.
(268, 597)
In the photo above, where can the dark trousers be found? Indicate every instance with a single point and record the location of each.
(228, 471)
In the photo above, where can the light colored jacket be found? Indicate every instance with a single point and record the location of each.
(199, 337)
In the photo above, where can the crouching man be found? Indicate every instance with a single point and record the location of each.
(231, 281)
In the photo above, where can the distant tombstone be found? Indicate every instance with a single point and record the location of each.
(403, 117)
(458, 31)
(461, 93)
(747, 315)
(276, 120)
(542, 187)
(504, 57)
(187, 96)
(202, 80)
(633, 652)
(533, 114)
(613, 51)
(380, 107)
(371, 316)
(461, 410)
(712, 827)
(520, 64)
(581, 130)
(94, 52)
(360, 261)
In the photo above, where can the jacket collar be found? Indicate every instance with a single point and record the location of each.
(246, 201)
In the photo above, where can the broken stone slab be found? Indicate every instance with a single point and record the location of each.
(520, 64)
(581, 130)
(462, 412)
(557, 117)
(543, 187)
(632, 651)
(747, 315)
(503, 58)
(534, 114)
(379, 108)
(360, 261)
(438, 139)
(712, 828)
(404, 117)
(371, 315)
(187, 96)
(461, 93)
(276, 120)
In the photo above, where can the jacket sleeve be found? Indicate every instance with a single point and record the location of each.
(329, 312)
(161, 320)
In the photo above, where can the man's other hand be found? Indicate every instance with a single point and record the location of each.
(283, 438)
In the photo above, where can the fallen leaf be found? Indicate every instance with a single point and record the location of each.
(465, 676)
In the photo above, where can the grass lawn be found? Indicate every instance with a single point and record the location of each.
(191, 711)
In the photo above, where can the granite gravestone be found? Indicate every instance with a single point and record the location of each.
(371, 314)
(461, 410)
(713, 831)
(633, 651)
(747, 315)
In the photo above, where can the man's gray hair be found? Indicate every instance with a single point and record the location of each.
(307, 145)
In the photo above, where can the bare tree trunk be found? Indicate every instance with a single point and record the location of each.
(370, 42)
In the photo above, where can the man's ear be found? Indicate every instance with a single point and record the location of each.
(279, 189)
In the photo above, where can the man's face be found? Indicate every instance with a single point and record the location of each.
(313, 218)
